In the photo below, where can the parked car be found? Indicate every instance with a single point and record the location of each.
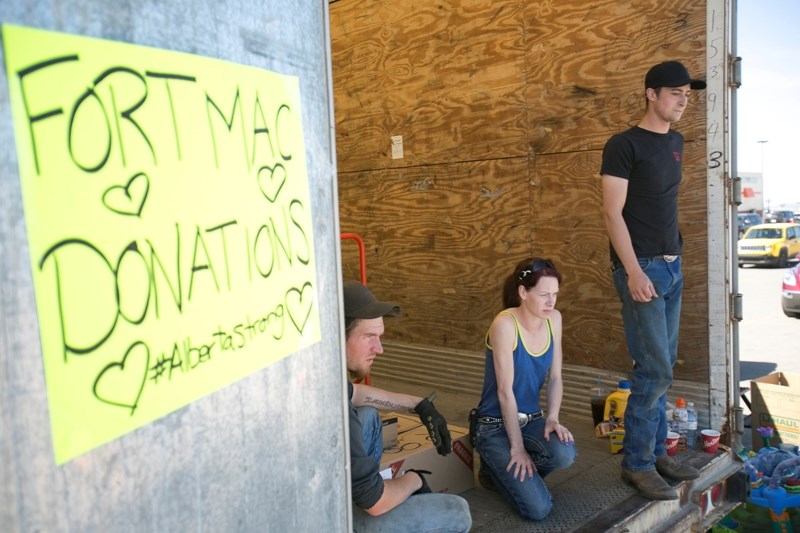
(779, 216)
(745, 220)
(790, 294)
(769, 244)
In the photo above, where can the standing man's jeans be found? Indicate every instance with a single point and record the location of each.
(652, 332)
(529, 497)
(423, 513)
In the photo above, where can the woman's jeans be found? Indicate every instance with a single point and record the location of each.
(651, 330)
(529, 497)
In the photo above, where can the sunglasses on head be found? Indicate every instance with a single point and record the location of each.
(536, 266)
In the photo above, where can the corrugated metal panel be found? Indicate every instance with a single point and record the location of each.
(461, 370)
(266, 453)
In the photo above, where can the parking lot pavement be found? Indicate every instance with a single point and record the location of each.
(769, 341)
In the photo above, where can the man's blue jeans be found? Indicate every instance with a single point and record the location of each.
(420, 513)
(425, 513)
(651, 330)
(529, 497)
(372, 430)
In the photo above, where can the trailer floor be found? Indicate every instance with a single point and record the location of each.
(589, 496)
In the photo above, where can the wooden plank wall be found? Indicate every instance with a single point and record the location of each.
(504, 107)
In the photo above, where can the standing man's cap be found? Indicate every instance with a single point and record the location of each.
(359, 302)
(671, 74)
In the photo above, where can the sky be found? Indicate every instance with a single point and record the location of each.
(769, 46)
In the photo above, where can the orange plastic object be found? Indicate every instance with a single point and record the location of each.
(362, 265)
(362, 256)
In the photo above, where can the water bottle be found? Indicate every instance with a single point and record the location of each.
(598, 402)
(691, 425)
(681, 417)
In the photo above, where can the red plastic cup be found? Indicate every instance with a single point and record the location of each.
(710, 439)
(671, 443)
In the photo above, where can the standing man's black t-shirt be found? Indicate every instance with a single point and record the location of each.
(651, 162)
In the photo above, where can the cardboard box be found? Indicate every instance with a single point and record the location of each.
(389, 431)
(615, 439)
(604, 428)
(451, 474)
(775, 402)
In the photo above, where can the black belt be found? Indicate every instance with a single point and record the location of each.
(615, 264)
(522, 417)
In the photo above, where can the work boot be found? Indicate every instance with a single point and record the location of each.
(485, 480)
(669, 467)
(649, 484)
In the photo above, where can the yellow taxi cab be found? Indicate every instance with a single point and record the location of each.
(769, 244)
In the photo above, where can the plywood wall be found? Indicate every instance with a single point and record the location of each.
(504, 108)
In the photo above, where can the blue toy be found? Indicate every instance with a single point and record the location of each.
(775, 483)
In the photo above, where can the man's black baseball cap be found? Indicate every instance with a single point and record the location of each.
(359, 302)
(671, 74)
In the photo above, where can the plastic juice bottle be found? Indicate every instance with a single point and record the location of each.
(617, 401)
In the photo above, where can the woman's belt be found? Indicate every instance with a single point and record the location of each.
(523, 418)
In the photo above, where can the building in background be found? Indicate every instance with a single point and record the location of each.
(752, 192)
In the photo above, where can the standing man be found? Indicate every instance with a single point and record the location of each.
(405, 503)
(641, 172)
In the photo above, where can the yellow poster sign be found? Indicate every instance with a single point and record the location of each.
(169, 223)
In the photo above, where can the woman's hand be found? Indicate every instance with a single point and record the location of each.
(563, 434)
(521, 466)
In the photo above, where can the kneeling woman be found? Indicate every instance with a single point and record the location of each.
(517, 444)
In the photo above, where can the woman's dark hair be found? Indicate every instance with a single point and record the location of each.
(527, 273)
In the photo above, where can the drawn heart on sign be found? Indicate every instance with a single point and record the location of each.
(128, 199)
(121, 383)
(298, 304)
(271, 180)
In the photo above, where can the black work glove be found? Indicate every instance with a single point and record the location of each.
(436, 425)
(424, 489)
(473, 424)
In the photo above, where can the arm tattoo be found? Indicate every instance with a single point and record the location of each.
(382, 404)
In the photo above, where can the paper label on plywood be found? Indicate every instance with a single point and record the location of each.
(397, 147)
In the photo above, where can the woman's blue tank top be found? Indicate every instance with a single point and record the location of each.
(530, 372)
